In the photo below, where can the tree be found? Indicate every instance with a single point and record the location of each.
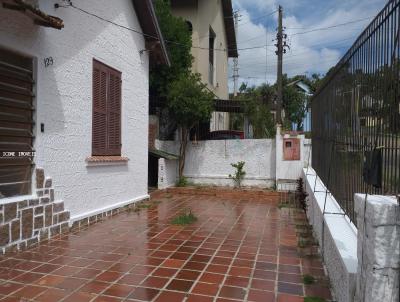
(295, 104)
(256, 106)
(178, 42)
(189, 103)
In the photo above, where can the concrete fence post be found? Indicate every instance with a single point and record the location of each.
(378, 248)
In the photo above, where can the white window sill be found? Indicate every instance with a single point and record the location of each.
(106, 161)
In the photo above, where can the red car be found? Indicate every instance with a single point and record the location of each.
(225, 134)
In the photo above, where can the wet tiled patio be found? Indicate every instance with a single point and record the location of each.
(242, 248)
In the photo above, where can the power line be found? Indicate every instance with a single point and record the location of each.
(151, 36)
(329, 27)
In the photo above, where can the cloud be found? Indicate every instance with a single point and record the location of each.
(313, 52)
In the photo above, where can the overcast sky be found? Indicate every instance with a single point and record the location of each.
(313, 52)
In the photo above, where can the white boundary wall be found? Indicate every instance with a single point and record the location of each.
(336, 235)
(209, 162)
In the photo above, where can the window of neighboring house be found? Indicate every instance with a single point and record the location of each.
(106, 122)
(211, 56)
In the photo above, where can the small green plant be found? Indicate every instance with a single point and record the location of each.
(314, 299)
(308, 279)
(182, 182)
(239, 173)
(185, 218)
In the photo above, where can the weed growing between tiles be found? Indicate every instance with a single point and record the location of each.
(308, 279)
(185, 219)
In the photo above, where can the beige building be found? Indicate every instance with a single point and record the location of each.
(214, 42)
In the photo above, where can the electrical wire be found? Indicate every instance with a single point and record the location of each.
(329, 27)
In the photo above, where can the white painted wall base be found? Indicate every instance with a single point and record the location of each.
(108, 208)
(336, 235)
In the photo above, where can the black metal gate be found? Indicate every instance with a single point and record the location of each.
(356, 115)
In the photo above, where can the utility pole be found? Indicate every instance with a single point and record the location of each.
(236, 60)
(279, 53)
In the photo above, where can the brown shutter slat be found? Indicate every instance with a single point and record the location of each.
(99, 121)
(114, 114)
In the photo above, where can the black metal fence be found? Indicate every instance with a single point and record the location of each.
(356, 115)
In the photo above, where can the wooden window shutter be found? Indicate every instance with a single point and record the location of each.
(99, 119)
(106, 125)
(114, 114)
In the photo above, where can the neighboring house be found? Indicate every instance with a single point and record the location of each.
(74, 89)
(303, 87)
(214, 42)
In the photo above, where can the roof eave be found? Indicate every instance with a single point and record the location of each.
(151, 29)
(230, 28)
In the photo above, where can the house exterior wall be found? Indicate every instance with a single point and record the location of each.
(64, 100)
(203, 15)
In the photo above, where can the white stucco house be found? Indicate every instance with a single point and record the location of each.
(74, 91)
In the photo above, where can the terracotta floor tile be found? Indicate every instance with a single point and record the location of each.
(154, 282)
(236, 281)
(50, 280)
(94, 287)
(197, 266)
(216, 268)
(52, 294)
(28, 277)
(261, 296)
(268, 285)
(7, 288)
(206, 289)
(211, 278)
(87, 273)
(103, 298)
(289, 269)
(240, 271)
(109, 276)
(79, 297)
(70, 283)
(290, 288)
(231, 252)
(66, 271)
(180, 285)
(291, 278)
(143, 294)
(188, 275)
(29, 292)
(316, 290)
(166, 296)
(289, 298)
(164, 272)
(232, 292)
(197, 298)
(119, 290)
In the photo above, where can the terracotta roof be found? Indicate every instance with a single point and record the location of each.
(230, 28)
(39, 17)
(150, 27)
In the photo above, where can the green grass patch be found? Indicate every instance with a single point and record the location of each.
(184, 219)
(308, 279)
(314, 299)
